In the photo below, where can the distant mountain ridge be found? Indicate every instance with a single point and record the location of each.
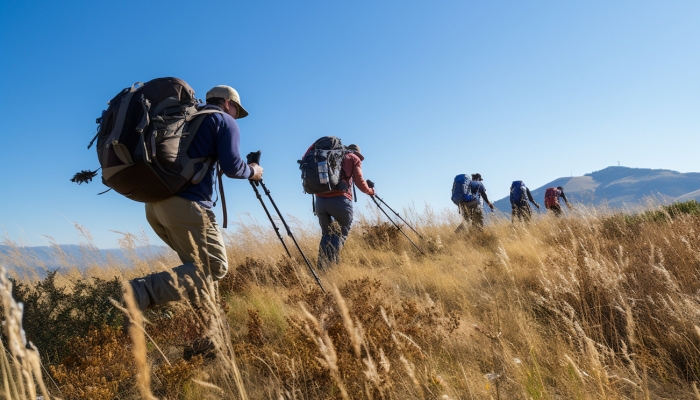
(49, 258)
(621, 187)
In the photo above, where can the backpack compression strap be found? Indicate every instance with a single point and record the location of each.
(119, 149)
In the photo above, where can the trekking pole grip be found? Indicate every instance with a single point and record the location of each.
(253, 157)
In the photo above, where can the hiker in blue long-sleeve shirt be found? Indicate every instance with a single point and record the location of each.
(186, 223)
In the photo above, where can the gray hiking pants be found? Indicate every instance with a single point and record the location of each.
(191, 230)
(329, 209)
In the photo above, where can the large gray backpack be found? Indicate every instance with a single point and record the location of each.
(143, 138)
(321, 166)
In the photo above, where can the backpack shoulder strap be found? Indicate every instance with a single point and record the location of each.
(194, 121)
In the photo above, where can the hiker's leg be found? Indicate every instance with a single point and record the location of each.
(324, 220)
(192, 232)
(340, 207)
(464, 212)
(556, 209)
(527, 213)
(478, 217)
(158, 228)
(166, 286)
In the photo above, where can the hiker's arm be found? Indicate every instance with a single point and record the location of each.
(529, 196)
(486, 198)
(563, 196)
(228, 149)
(358, 179)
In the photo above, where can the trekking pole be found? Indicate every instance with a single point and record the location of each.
(397, 214)
(277, 230)
(396, 225)
(254, 157)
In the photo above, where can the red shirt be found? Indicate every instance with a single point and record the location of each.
(351, 172)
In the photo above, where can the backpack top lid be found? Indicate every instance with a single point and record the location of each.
(551, 197)
(463, 190)
(328, 143)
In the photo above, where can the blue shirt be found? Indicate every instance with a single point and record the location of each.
(218, 137)
(477, 188)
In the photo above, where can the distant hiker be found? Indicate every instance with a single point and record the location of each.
(551, 200)
(329, 171)
(467, 194)
(520, 199)
(185, 222)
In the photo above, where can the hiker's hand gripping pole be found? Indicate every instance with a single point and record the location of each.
(254, 185)
(396, 225)
(254, 157)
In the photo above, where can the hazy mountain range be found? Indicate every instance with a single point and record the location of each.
(621, 187)
(49, 258)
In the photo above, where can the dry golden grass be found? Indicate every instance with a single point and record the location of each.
(592, 306)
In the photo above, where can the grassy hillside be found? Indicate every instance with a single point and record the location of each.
(587, 307)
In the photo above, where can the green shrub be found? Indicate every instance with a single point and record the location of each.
(53, 315)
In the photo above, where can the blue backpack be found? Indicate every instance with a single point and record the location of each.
(462, 190)
(517, 192)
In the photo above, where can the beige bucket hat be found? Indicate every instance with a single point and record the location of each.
(355, 148)
(228, 93)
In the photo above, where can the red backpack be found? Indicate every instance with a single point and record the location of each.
(551, 197)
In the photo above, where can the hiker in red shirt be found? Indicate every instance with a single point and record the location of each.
(337, 206)
(551, 200)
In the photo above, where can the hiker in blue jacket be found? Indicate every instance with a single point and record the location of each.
(520, 199)
(185, 221)
(473, 211)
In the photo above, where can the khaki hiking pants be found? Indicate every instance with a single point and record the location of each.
(471, 214)
(191, 230)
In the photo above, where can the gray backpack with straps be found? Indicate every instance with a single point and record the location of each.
(143, 138)
(321, 166)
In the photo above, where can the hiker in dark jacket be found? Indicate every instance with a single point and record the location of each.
(551, 200)
(185, 222)
(520, 199)
(337, 206)
(474, 211)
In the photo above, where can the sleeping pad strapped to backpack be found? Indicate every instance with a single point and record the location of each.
(462, 190)
(143, 138)
(321, 166)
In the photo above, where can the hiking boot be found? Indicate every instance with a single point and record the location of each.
(201, 347)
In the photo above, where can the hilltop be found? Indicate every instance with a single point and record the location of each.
(621, 187)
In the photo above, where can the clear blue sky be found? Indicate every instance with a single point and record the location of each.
(529, 90)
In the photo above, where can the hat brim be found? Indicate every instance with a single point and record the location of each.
(242, 112)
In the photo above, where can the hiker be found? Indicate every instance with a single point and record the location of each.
(185, 221)
(334, 205)
(467, 194)
(551, 200)
(520, 199)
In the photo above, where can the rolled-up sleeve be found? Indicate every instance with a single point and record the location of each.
(228, 148)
